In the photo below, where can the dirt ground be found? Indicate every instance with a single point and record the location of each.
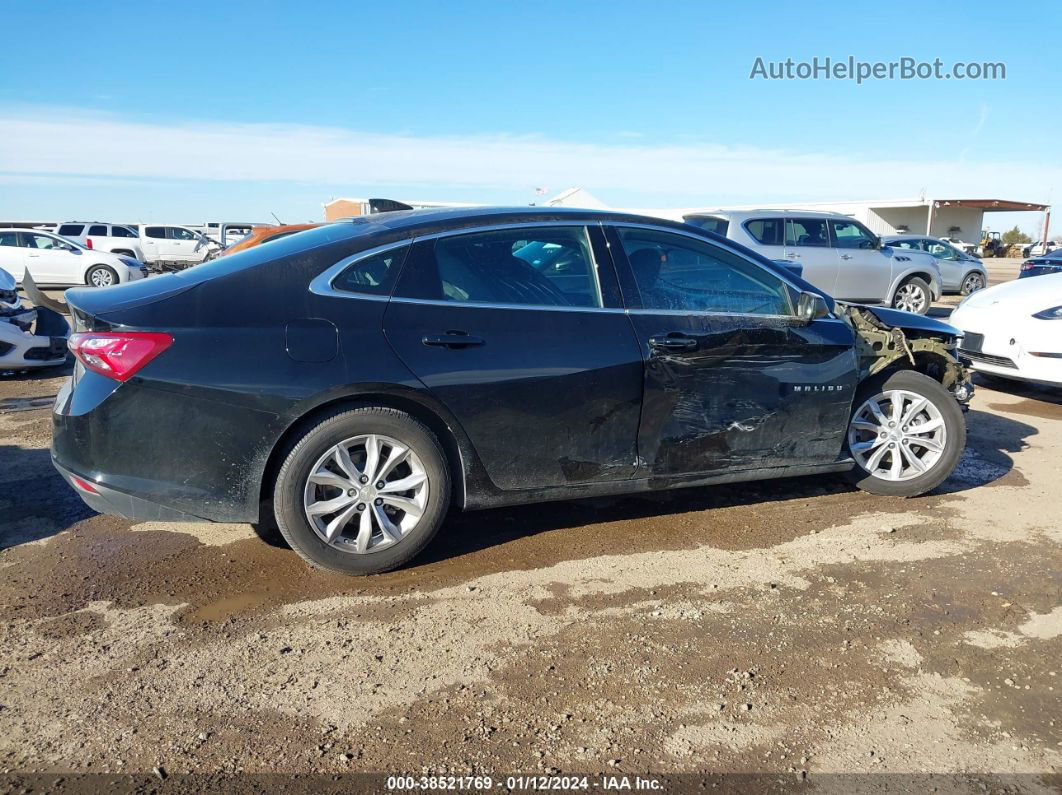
(795, 627)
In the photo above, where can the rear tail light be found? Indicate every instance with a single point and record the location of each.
(120, 354)
(1027, 266)
(88, 242)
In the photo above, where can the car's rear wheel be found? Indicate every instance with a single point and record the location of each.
(906, 434)
(973, 282)
(101, 276)
(913, 296)
(362, 491)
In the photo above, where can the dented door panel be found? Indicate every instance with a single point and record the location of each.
(751, 392)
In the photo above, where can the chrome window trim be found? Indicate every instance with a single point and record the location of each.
(322, 283)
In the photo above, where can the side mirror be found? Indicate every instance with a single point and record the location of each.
(811, 306)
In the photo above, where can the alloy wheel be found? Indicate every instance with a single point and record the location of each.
(910, 298)
(365, 493)
(972, 283)
(101, 277)
(897, 435)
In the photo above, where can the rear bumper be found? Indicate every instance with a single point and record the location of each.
(118, 503)
(161, 453)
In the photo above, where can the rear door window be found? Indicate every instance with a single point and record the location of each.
(766, 231)
(157, 232)
(806, 232)
(525, 266)
(8, 239)
(70, 230)
(98, 230)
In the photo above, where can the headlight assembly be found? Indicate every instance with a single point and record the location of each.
(1054, 313)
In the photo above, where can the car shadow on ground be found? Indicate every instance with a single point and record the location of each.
(35, 502)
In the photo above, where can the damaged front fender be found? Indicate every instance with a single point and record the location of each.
(886, 338)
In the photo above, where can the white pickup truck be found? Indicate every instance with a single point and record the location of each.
(170, 245)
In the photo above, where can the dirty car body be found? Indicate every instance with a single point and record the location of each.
(550, 353)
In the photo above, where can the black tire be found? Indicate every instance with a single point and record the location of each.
(315, 442)
(915, 283)
(954, 424)
(103, 271)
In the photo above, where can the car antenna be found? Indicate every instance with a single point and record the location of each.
(279, 222)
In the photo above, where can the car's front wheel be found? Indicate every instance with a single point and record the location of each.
(101, 276)
(362, 491)
(913, 296)
(906, 434)
(974, 281)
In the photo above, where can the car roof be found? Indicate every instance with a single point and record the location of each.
(766, 211)
(426, 221)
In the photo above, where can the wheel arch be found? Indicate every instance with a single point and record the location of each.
(906, 276)
(461, 459)
(89, 268)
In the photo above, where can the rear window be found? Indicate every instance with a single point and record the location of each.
(70, 230)
(767, 231)
(279, 249)
(710, 223)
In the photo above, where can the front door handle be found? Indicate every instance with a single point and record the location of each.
(792, 256)
(672, 342)
(452, 340)
(846, 256)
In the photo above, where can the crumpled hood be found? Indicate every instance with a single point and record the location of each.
(909, 321)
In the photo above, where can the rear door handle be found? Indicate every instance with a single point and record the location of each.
(672, 342)
(846, 256)
(452, 340)
(792, 256)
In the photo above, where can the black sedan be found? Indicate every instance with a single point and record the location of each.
(1039, 266)
(358, 380)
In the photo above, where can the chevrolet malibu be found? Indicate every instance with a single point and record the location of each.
(356, 381)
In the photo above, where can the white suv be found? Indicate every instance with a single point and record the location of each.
(116, 238)
(837, 254)
(55, 260)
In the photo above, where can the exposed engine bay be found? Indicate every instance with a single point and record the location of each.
(924, 344)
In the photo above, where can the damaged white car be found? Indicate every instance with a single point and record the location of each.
(30, 337)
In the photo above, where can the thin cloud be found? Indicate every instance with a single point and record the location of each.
(79, 145)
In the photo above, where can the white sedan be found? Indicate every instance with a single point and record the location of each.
(55, 260)
(1014, 330)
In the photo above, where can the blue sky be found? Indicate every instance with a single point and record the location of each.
(150, 111)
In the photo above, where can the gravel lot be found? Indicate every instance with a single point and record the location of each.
(783, 627)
